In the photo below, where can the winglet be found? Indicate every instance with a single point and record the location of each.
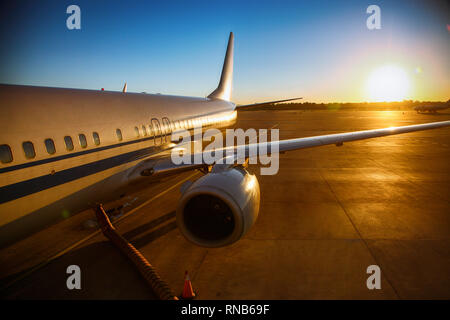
(124, 88)
(223, 91)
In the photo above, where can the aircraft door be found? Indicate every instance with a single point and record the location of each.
(157, 131)
(166, 128)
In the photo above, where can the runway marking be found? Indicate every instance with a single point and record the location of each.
(76, 244)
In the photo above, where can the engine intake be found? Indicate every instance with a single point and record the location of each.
(219, 208)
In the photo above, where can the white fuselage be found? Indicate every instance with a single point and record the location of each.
(36, 190)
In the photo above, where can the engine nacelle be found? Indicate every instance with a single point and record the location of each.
(219, 208)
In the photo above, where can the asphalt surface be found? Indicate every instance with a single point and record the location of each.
(328, 214)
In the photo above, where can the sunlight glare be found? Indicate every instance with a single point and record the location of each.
(387, 83)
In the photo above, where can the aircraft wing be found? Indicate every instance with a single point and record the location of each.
(338, 138)
(259, 104)
(164, 166)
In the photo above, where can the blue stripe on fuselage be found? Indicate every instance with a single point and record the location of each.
(75, 154)
(27, 187)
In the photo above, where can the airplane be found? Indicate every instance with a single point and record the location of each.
(64, 150)
(432, 109)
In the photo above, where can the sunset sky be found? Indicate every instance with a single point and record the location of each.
(319, 50)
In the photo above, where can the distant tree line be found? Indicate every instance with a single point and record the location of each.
(394, 106)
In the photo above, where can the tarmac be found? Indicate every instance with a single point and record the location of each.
(328, 214)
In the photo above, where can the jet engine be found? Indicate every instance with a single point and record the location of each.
(219, 208)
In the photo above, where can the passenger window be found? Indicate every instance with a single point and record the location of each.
(50, 146)
(83, 142)
(144, 131)
(96, 138)
(5, 153)
(28, 148)
(119, 134)
(69, 143)
(136, 131)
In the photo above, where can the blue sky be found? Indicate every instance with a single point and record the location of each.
(317, 49)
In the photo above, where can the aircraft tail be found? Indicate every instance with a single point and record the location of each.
(223, 91)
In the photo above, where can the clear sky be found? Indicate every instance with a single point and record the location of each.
(320, 50)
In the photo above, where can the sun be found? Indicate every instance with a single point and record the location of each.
(387, 83)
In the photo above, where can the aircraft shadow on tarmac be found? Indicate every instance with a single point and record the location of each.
(149, 226)
(108, 275)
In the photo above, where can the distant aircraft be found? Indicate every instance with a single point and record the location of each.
(65, 150)
(431, 108)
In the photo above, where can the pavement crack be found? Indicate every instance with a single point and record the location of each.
(359, 234)
(199, 265)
